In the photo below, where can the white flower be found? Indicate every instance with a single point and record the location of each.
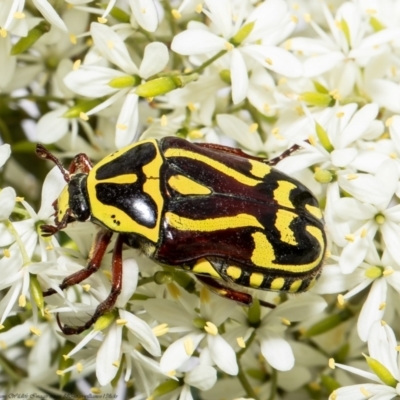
(268, 23)
(367, 214)
(112, 345)
(180, 318)
(383, 360)
(21, 238)
(96, 81)
(347, 48)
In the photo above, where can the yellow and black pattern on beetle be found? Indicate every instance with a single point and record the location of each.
(124, 190)
(215, 211)
(253, 225)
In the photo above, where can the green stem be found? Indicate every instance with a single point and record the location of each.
(144, 281)
(256, 118)
(241, 375)
(245, 384)
(207, 63)
(15, 373)
(5, 132)
(21, 211)
(274, 384)
(170, 18)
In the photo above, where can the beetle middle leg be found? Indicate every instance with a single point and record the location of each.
(96, 254)
(109, 302)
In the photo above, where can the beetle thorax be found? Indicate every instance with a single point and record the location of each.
(74, 199)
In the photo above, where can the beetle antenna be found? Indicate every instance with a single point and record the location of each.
(42, 152)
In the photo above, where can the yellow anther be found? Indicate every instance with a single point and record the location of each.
(211, 328)
(240, 341)
(164, 120)
(160, 330)
(83, 116)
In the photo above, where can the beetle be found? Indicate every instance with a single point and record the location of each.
(229, 218)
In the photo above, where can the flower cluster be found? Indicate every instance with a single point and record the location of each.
(93, 77)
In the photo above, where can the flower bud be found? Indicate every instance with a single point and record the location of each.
(33, 36)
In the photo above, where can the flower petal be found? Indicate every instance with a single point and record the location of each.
(128, 120)
(108, 355)
(276, 351)
(145, 13)
(7, 202)
(155, 59)
(222, 354)
(142, 331)
(129, 282)
(197, 41)
(202, 377)
(51, 127)
(239, 77)
(372, 309)
(50, 14)
(176, 354)
(92, 81)
(276, 59)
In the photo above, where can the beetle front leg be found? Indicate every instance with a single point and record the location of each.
(96, 254)
(109, 302)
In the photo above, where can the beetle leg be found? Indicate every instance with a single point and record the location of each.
(96, 254)
(230, 150)
(287, 153)
(230, 293)
(225, 291)
(109, 302)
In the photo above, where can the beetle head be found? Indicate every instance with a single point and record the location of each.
(72, 204)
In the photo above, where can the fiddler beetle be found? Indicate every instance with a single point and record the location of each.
(227, 217)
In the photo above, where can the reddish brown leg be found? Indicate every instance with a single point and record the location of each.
(225, 291)
(109, 302)
(229, 293)
(96, 254)
(229, 150)
(287, 153)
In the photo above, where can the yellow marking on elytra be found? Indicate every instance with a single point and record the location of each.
(151, 186)
(256, 279)
(282, 193)
(234, 272)
(259, 169)
(283, 220)
(121, 179)
(315, 211)
(264, 255)
(213, 164)
(211, 224)
(63, 203)
(277, 284)
(295, 286)
(204, 266)
(187, 186)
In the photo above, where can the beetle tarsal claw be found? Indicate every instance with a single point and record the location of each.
(48, 230)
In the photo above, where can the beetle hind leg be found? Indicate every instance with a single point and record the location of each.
(225, 291)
